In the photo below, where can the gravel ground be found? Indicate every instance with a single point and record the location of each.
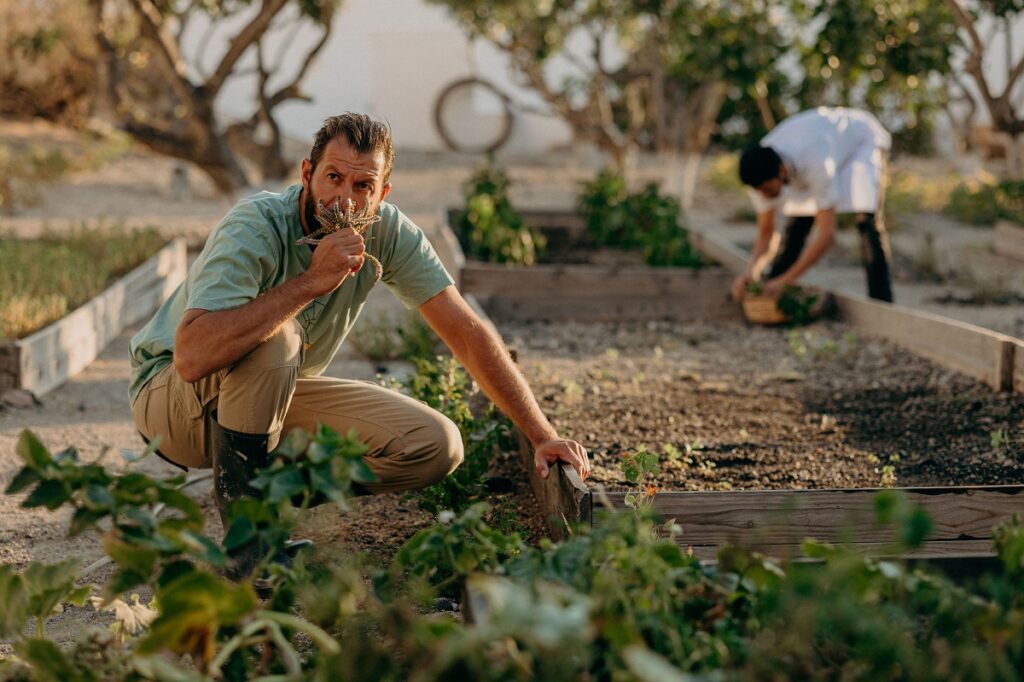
(752, 407)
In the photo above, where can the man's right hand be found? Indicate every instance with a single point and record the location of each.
(337, 256)
(739, 286)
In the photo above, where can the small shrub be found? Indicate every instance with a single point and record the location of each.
(983, 202)
(490, 228)
(646, 220)
(443, 385)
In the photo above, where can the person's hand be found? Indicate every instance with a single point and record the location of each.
(561, 450)
(338, 255)
(739, 287)
(774, 287)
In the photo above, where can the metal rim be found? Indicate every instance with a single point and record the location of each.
(449, 139)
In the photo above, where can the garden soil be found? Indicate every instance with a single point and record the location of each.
(751, 413)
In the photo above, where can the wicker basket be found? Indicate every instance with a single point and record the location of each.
(762, 310)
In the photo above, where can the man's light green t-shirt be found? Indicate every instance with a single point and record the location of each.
(253, 250)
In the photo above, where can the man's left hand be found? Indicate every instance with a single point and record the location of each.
(561, 450)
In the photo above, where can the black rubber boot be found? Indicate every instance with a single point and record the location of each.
(236, 459)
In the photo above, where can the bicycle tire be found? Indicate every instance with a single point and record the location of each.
(449, 138)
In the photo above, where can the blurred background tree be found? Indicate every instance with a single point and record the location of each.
(47, 59)
(636, 74)
(891, 58)
(143, 66)
(986, 27)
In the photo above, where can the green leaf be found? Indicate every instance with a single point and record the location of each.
(128, 555)
(193, 608)
(284, 485)
(22, 480)
(14, 598)
(84, 519)
(239, 533)
(32, 451)
(97, 498)
(49, 663)
(49, 494)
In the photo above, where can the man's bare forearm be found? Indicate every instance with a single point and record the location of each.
(766, 245)
(208, 341)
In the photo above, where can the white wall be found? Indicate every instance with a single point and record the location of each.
(390, 59)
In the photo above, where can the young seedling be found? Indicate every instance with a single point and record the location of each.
(333, 218)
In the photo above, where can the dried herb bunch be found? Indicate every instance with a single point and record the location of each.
(333, 218)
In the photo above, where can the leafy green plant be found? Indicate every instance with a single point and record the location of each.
(983, 202)
(641, 468)
(797, 303)
(646, 220)
(443, 385)
(491, 229)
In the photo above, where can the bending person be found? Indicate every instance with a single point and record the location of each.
(814, 166)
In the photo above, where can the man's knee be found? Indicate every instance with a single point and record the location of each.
(444, 451)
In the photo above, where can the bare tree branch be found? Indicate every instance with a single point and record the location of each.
(241, 42)
(152, 28)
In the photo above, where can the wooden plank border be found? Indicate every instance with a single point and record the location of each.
(776, 521)
(45, 360)
(980, 353)
(1009, 240)
(587, 292)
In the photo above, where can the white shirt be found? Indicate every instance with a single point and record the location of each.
(835, 158)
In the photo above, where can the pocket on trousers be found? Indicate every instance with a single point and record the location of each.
(186, 398)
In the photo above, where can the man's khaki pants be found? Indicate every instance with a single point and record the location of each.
(410, 445)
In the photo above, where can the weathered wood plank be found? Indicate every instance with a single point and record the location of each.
(933, 550)
(1009, 239)
(587, 292)
(1018, 366)
(562, 497)
(972, 350)
(783, 518)
(49, 357)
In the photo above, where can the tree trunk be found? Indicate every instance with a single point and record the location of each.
(681, 172)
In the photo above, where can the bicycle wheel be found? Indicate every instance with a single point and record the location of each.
(471, 115)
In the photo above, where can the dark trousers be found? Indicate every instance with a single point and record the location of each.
(874, 245)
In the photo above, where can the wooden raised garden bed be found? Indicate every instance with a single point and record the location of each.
(772, 520)
(623, 290)
(46, 359)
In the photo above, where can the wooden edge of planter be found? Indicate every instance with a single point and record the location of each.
(563, 497)
(775, 522)
(448, 248)
(1009, 239)
(54, 354)
(975, 351)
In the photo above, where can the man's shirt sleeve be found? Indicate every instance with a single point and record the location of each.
(237, 265)
(412, 269)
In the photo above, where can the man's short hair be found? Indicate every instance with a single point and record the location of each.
(759, 164)
(364, 134)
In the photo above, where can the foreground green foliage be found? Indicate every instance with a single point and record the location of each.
(645, 220)
(490, 228)
(621, 601)
(41, 280)
(443, 385)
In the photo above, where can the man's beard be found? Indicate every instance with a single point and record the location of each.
(309, 209)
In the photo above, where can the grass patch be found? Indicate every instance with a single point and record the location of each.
(43, 279)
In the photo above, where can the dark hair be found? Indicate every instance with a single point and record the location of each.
(364, 134)
(759, 164)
